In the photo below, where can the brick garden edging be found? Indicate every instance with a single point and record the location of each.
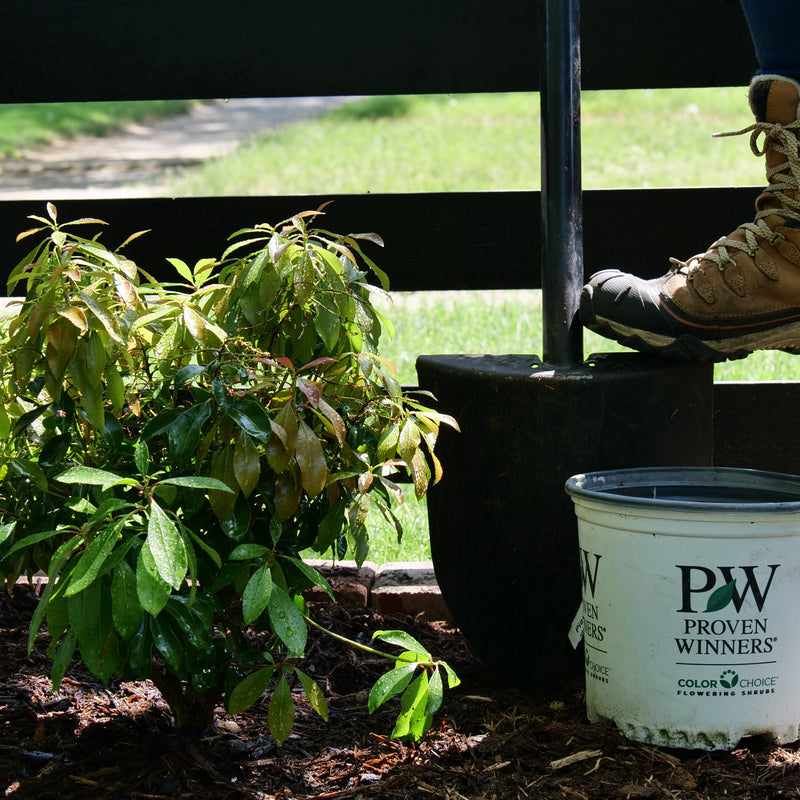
(398, 587)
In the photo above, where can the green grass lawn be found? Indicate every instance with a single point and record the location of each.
(28, 124)
(510, 322)
(485, 142)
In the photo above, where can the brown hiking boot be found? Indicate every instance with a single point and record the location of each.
(743, 293)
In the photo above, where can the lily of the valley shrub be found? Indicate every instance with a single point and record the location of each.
(171, 450)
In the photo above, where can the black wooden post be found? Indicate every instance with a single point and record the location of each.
(562, 211)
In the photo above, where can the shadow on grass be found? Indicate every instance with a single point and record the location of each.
(374, 108)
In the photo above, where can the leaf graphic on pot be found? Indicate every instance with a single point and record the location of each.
(721, 597)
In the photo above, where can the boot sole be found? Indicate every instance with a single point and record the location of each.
(690, 348)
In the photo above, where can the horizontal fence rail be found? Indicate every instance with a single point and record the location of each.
(434, 241)
(171, 49)
(750, 428)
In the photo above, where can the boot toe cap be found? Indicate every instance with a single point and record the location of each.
(615, 296)
(612, 294)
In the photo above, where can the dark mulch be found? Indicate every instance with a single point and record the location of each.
(490, 742)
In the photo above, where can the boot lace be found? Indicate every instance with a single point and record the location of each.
(784, 186)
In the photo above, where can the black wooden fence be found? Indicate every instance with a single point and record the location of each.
(162, 49)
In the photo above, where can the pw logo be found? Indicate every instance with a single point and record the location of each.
(718, 587)
(589, 570)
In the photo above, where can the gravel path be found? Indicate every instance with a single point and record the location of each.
(134, 161)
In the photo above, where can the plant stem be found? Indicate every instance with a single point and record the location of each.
(357, 645)
(192, 711)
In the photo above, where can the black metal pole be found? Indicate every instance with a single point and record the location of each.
(562, 208)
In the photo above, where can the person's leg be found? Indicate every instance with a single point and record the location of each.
(774, 26)
(743, 293)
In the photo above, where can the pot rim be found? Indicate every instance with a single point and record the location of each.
(717, 489)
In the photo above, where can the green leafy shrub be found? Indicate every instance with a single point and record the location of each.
(170, 450)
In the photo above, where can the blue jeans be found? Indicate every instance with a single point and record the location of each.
(775, 30)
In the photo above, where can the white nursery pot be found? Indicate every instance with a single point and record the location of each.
(691, 622)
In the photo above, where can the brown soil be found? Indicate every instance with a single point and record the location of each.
(492, 741)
